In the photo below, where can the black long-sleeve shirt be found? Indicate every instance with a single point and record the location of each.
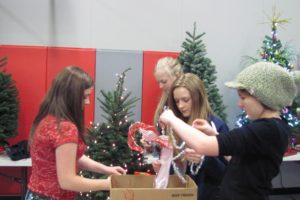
(257, 150)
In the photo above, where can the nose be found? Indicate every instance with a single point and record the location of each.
(161, 86)
(87, 101)
(240, 105)
(180, 105)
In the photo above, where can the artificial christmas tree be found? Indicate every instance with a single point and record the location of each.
(193, 60)
(107, 141)
(9, 105)
(273, 51)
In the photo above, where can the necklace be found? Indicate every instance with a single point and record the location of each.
(198, 166)
(181, 146)
(193, 170)
(178, 172)
(181, 153)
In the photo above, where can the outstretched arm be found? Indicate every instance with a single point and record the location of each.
(203, 126)
(68, 179)
(195, 139)
(89, 164)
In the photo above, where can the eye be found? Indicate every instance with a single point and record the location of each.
(186, 100)
(242, 97)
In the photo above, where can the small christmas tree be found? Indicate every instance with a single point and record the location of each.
(193, 60)
(273, 51)
(9, 105)
(108, 141)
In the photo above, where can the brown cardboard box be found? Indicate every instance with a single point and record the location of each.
(140, 187)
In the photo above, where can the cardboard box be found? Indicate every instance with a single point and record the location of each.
(139, 187)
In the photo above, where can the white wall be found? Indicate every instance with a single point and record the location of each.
(234, 28)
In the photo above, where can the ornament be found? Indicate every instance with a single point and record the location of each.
(2, 149)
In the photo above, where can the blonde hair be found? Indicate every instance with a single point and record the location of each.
(171, 66)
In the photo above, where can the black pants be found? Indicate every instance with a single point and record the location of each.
(34, 196)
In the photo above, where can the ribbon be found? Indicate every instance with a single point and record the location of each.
(149, 134)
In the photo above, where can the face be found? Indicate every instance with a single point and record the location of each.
(251, 105)
(87, 94)
(183, 101)
(164, 80)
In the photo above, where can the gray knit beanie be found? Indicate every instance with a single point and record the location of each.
(271, 84)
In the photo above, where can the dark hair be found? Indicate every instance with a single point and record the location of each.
(65, 99)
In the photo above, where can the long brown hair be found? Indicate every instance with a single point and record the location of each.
(65, 99)
(200, 105)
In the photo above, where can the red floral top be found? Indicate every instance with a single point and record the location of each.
(47, 138)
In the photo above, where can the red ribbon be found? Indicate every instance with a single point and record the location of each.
(149, 134)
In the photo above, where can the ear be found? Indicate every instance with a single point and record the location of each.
(177, 75)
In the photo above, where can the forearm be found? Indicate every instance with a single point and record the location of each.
(88, 164)
(195, 139)
(81, 184)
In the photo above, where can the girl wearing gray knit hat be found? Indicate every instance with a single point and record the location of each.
(257, 149)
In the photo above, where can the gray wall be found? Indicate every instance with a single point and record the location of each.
(111, 63)
(234, 28)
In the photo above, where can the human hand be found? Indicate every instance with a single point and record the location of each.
(106, 183)
(156, 165)
(205, 127)
(166, 118)
(147, 145)
(117, 170)
(192, 156)
(164, 137)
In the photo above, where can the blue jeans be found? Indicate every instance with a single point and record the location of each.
(34, 196)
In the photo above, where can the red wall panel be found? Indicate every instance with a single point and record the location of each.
(28, 68)
(58, 58)
(33, 69)
(151, 92)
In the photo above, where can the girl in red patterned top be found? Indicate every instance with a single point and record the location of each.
(57, 141)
